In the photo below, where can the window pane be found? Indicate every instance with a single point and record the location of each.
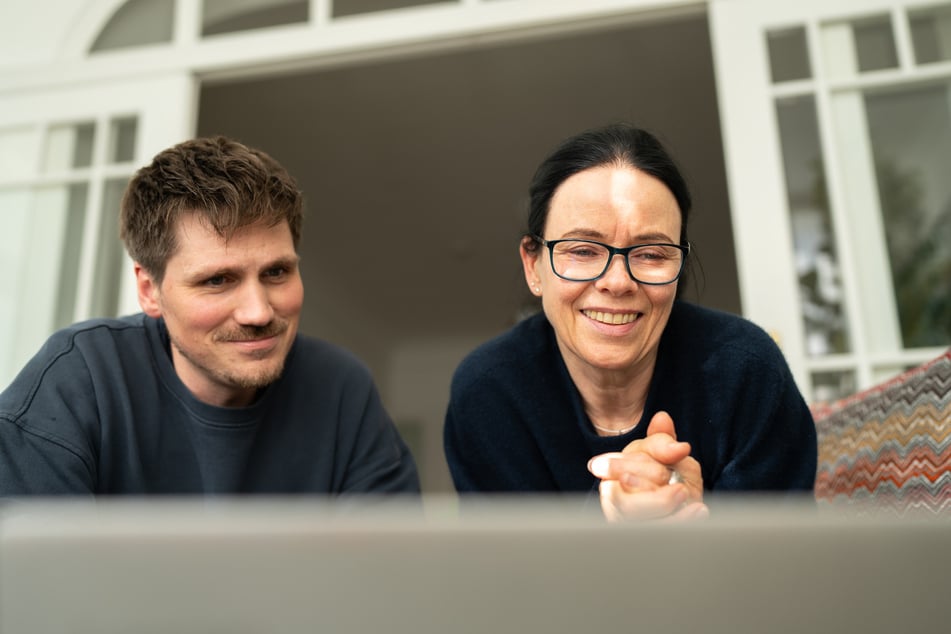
(814, 240)
(911, 165)
(858, 46)
(354, 7)
(229, 16)
(831, 386)
(122, 140)
(788, 56)
(40, 259)
(137, 23)
(74, 207)
(875, 44)
(69, 147)
(14, 226)
(931, 34)
(105, 292)
(19, 148)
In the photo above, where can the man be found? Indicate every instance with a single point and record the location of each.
(210, 389)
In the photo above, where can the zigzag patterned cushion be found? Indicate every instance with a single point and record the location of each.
(887, 450)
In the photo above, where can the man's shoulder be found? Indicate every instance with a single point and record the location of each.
(91, 335)
(106, 326)
(71, 357)
(313, 354)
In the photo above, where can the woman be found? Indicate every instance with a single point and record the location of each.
(618, 386)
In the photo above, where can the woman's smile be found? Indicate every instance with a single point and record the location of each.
(608, 317)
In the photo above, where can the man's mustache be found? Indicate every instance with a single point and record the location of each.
(253, 333)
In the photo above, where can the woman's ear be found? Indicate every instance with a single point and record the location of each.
(530, 252)
(148, 291)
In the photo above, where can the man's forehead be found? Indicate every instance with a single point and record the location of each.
(197, 227)
(199, 244)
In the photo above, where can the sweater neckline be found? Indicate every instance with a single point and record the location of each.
(212, 415)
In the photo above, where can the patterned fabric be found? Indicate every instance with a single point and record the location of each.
(887, 450)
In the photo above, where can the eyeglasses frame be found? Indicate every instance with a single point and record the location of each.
(613, 251)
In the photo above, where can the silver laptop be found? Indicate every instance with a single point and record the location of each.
(521, 565)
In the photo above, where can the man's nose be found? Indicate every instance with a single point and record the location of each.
(254, 306)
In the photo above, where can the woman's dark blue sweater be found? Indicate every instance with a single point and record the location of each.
(515, 420)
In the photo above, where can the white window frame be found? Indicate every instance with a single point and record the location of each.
(768, 282)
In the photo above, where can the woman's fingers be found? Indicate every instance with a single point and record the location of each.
(634, 485)
(652, 478)
(618, 503)
(639, 466)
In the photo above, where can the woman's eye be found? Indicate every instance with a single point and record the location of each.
(652, 255)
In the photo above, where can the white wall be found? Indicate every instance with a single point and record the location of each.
(33, 32)
(415, 388)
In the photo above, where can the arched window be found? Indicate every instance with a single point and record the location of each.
(229, 16)
(342, 8)
(137, 23)
(148, 22)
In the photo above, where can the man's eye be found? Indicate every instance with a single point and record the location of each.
(217, 280)
(276, 273)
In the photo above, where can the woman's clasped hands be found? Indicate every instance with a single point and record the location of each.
(642, 481)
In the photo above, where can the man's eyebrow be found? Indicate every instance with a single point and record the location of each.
(207, 272)
(289, 261)
(200, 273)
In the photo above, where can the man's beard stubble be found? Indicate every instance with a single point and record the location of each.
(243, 333)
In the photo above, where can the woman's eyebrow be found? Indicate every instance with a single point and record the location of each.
(592, 234)
(587, 234)
(653, 237)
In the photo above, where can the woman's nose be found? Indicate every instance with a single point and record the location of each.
(617, 277)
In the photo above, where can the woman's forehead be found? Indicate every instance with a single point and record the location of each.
(606, 200)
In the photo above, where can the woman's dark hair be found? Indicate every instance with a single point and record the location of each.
(616, 144)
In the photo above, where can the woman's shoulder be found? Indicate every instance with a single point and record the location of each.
(723, 325)
(524, 345)
(713, 332)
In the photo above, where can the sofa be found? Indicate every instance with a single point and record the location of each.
(887, 450)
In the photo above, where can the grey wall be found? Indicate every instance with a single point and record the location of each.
(415, 172)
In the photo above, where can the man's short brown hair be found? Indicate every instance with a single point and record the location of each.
(227, 184)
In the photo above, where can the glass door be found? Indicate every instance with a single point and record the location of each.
(837, 128)
(65, 158)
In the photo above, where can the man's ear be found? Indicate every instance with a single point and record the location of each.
(148, 291)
